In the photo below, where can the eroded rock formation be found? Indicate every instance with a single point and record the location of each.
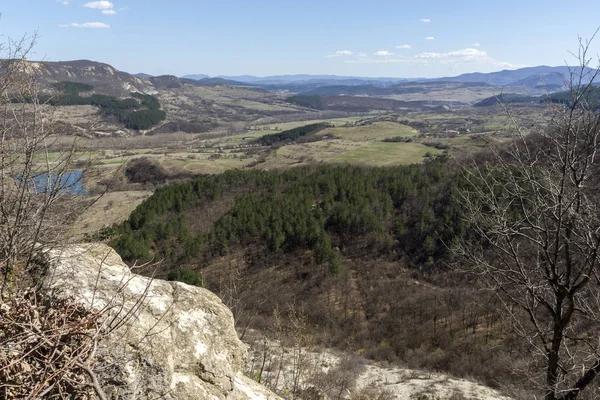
(169, 340)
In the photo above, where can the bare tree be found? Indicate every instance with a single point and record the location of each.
(34, 180)
(235, 292)
(48, 344)
(534, 215)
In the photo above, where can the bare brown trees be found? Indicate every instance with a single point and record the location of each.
(47, 345)
(534, 213)
(32, 178)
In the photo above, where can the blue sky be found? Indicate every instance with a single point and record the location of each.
(267, 37)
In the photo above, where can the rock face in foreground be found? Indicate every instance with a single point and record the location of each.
(176, 341)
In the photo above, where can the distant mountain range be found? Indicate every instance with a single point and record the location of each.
(220, 81)
(540, 77)
(304, 79)
(107, 80)
(201, 104)
(196, 77)
(530, 76)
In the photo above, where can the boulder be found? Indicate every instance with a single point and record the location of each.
(165, 339)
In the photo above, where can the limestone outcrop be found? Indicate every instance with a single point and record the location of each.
(169, 340)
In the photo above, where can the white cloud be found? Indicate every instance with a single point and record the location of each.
(100, 5)
(468, 53)
(109, 12)
(464, 56)
(425, 20)
(455, 59)
(430, 55)
(93, 25)
(340, 53)
(383, 53)
(387, 60)
(476, 44)
(362, 54)
(429, 38)
(403, 46)
(465, 53)
(65, 2)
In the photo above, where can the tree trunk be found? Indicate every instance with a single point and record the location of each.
(581, 384)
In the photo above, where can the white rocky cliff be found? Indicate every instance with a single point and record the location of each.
(171, 341)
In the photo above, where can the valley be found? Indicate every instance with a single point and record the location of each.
(390, 299)
(327, 215)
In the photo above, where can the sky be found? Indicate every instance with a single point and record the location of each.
(375, 38)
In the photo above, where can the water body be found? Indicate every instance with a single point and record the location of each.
(70, 182)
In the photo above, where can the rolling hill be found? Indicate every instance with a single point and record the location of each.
(191, 106)
(531, 77)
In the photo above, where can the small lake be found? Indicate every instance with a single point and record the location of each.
(70, 182)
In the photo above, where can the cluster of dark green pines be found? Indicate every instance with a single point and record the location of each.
(293, 134)
(405, 211)
(139, 112)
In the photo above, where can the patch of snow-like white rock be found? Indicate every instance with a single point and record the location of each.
(406, 384)
(176, 341)
(280, 364)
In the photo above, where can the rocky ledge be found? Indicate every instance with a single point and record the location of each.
(165, 339)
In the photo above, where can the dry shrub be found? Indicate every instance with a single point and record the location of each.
(145, 170)
(372, 392)
(47, 348)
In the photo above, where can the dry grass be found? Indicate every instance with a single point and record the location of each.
(385, 154)
(346, 151)
(111, 208)
(308, 153)
(367, 133)
(201, 164)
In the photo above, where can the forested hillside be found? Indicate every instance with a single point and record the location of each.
(140, 111)
(402, 211)
(345, 246)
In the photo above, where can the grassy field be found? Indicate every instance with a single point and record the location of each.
(351, 140)
(267, 129)
(185, 161)
(372, 132)
(113, 207)
(307, 153)
(336, 151)
(343, 143)
(386, 154)
(201, 165)
(295, 124)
